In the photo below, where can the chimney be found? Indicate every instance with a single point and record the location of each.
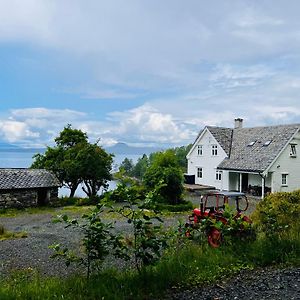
(238, 123)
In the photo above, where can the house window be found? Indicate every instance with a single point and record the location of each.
(199, 172)
(219, 175)
(293, 152)
(284, 179)
(214, 150)
(200, 150)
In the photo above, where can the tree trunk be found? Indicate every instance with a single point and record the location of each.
(73, 189)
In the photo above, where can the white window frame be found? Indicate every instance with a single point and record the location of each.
(214, 150)
(293, 150)
(200, 150)
(199, 172)
(284, 179)
(219, 175)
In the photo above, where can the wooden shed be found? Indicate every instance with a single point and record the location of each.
(27, 187)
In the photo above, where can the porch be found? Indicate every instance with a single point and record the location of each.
(254, 184)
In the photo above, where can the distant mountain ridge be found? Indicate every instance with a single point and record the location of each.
(7, 147)
(4, 145)
(123, 148)
(119, 148)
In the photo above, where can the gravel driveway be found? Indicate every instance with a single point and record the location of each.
(33, 252)
(259, 284)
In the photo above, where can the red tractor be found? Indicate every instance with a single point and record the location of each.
(212, 209)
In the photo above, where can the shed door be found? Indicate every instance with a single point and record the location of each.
(43, 196)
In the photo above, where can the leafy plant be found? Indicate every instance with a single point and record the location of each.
(278, 213)
(147, 242)
(97, 240)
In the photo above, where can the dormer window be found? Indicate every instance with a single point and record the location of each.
(214, 150)
(200, 150)
(267, 143)
(251, 144)
(293, 152)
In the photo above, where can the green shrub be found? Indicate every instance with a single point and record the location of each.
(278, 213)
(125, 191)
(182, 206)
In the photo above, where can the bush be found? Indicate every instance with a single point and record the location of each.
(278, 213)
(166, 169)
(124, 191)
(183, 206)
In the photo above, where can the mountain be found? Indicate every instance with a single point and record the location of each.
(123, 148)
(7, 146)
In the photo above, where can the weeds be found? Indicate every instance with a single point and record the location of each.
(6, 235)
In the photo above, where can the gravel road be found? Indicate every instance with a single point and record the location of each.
(272, 284)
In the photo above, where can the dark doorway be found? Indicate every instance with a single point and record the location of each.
(244, 182)
(42, 198)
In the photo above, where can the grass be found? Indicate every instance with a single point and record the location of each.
(6, 235)
(73, 209)
(185, 264)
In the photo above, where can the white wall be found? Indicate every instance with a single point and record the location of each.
(207, 162)
(288, 165)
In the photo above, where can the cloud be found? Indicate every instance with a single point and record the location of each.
(147, 124)
(15, 131)
(176, 66)
(232, 76)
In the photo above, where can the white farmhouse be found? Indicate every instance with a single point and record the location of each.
(257, 160)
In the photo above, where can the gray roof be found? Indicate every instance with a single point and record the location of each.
(223, 137)
(26, 178)
(255, 158)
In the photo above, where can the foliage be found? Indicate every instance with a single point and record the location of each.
(147, 242)
(97, 241)
(180, 207)
(95, 168)
(6, 235)
(74, 160)
(233, 227)
(125, 190)
(140, 167)
(180, 154)
(165, 168)
(278, 213)
(127, 166)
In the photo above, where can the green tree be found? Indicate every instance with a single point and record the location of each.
(74, 160)
(127, 165)
(165, 168)
(63, 159)
(95, 168)
(140, 167)
(181, 153)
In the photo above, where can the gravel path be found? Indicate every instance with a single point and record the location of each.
(33, 252)
(260, 284)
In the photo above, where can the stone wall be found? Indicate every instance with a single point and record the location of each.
(20, 198)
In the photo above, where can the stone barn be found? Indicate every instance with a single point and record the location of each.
(27, 187)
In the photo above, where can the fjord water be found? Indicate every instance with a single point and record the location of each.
(23, 159)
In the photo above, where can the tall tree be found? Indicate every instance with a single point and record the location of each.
(165, 168)
(74, 160)
(95, 168)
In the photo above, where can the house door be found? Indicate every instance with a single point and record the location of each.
(244, 182)
(42, 196)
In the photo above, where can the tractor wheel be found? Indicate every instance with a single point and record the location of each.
(214, 238)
